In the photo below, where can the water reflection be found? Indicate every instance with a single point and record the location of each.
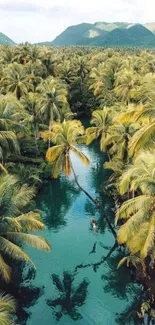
(98, 173)
(70, 297)
(25, 294)
(55, 200)
(129, 315)
(117, 281)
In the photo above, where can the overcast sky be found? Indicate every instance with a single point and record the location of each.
(43, 20)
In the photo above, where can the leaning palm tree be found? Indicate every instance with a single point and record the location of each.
(65, 137)
(15, 223)
(7, 308)
(15, 80)
(102, 120)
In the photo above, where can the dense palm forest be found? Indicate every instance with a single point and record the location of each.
(44, 94)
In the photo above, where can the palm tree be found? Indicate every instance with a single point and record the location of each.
(66, 137)
(145, 136)
(7, 308)
(139, 230)
(15, 80)
(16, 222)
(50, 61)
(82, 70)
(99, 79)
(54, 97)
(139, 175)
(32, 119)
(7, 55)
(66, 72)
(119, 138)
(126, 82)
(12, 116)
(102, 120)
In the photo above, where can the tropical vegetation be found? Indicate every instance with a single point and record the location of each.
(44, 93)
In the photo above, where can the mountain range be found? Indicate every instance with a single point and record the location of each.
(117, 34)
(107, 34)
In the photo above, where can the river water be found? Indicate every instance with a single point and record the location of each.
(69, 286)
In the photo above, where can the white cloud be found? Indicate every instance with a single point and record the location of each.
(38, 20)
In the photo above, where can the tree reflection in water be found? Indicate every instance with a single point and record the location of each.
(55, 201)
(129, 315)
(70, 297)
(25, 294)
(119, 283)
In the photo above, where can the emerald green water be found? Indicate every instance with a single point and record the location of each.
(94, 295)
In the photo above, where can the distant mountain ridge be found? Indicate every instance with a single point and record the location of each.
(107, 34)
(5, 40)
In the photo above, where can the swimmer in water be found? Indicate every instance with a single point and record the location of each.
(94, 223)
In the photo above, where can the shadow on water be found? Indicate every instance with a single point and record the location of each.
(55, 200)
(129, 315)
(70, 297)
(118, 282)
(26, 295)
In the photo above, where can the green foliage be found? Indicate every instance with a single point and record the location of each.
(7, 308)
(43, 90)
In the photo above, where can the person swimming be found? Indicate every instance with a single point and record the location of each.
(94, 223)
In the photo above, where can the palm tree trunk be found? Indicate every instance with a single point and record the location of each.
(49, 140)
(49, 128)
(36, 143)
(97, 264)
(93, 200)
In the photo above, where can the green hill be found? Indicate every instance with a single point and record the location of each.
(136, 35)
(107, 34)
(5, 40)
(73, 35)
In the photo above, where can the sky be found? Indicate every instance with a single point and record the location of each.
(43, 20)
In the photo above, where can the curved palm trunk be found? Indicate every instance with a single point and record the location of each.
(97, 264)
(50, 123)
(93, 200)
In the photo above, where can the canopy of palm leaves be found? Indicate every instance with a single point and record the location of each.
(15, 80)
(139, 211)
(54, 97)
(65, 136)
(102, 120)
(15, 223)
(7, 309)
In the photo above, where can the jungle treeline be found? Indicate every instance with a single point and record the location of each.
(44, 93)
